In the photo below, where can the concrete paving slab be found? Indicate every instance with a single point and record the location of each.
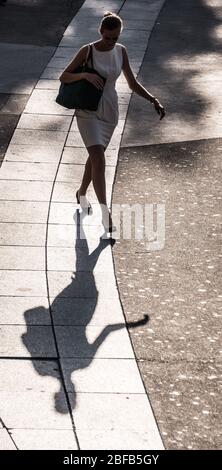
(6, 442)
(121, 79)
(23, 211)
(111, 156)
(94, 376)
(31, 153)
(74, 155)
(43, 122)
(82, 285)
(51, 73)
(48, 84)
(119, 127)
(74, 173)
(112, 341)
(74, 128)
(83, 311)
(117, 439)
(28, 171)
(22, 375)
(123, 93)
(74, 43)
(8, 124)
(137, 413)
(62, 62)
(200, 86)
(83, 29)
(40, 22)
(64, 52)
(175, 130)
(66, 236)
(135, 65)
(112, 3)
(22, 258)
(22, 234)
(70, 173)
(63, 213)
(43, 102)
(66, 213)
(12, 310)
(20, 56)
(79, 155)
(24, 190)
(131, 45)
(137, 14)
(176, 65)
(74, 140)
(37, 137)
(144, 6)
(123, 109)
(77, 28)
(44, 439)
(138, 25)
(189, 63)
(141, 35)
(66, 193)
(124, 99)
(93, 12)
(121, 123)
(23, 284)
(33, 410)
(78, 258)
(38, 341)
(12, 103)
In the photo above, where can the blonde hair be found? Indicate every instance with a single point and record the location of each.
(110, 21)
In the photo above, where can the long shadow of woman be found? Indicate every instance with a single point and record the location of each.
(70, 313)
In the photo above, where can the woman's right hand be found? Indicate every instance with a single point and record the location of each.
(159, 108)
(94, 79)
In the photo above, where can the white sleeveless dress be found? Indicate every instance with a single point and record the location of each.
(97, 127)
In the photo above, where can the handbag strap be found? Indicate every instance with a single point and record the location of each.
(90, 54)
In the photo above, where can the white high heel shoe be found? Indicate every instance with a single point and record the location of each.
(84, 203)
(107, 222)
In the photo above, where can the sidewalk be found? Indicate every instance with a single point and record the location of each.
(69, 373)
(73, 374)
(29, 33)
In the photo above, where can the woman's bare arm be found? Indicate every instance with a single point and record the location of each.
(135, 86)
(68, 76)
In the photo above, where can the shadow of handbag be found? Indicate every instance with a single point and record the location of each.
(81, 94)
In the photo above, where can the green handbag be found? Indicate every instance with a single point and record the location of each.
(81, 94)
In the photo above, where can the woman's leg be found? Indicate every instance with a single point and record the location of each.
(97, 158)
(87, 178)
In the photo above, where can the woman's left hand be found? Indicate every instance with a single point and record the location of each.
(159, 108)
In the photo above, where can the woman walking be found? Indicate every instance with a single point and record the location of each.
(97, 127)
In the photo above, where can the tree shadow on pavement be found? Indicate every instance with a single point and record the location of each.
(183, 56)
(38, 22)
(76, 318)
